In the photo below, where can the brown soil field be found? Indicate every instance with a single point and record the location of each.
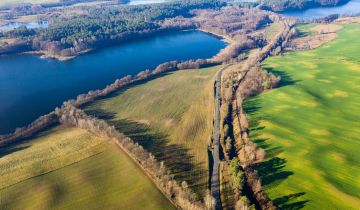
(326, 28)
(311, 42)
(324, 33)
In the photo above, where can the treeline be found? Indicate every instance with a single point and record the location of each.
(47, 120)
(255, 81)
(36, 126)
(180, 195)
(248, 81)
(83, 99)
(286, 5)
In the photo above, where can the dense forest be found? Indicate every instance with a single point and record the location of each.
(282, 5)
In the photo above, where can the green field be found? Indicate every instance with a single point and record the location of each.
(68, 168)
(171, 116)
(10, 2)
(310, 126)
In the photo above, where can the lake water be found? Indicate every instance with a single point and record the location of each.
(352, 7)
(13, 25)
(138, 2)
(31, 86)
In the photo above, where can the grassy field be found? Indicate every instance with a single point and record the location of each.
(68, 168)
(227, 192)
(273, 30)
(10, 2)
(170, 116)
(305, 28)
(310, 126)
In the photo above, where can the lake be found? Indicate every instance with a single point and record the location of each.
(31, 86)
(352, 7)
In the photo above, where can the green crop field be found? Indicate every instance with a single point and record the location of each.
(310, 126)
(68, 168)
(170, 116)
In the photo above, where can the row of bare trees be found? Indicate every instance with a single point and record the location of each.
(255, 81)
(25, 132)
(49, 119)
(251, 81)
(180, 195)
(143, 75)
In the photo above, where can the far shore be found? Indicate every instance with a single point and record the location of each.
(45, 54)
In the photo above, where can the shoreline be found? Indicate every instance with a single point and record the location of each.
(46, 55)
(43, 54)
(221, 37)
(312, 5)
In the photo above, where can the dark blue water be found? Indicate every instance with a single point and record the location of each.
(352, 8)
(31, 86)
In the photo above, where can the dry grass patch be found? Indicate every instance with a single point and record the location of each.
(309, 103)
(313, 37)
(326, 28)
(27, 18)
(341, 93)
(325, 81)
(312, 41)
(320, 132)
(347, 20)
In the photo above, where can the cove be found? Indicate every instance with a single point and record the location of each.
(31, 86)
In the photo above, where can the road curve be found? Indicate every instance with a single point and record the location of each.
(215, 182)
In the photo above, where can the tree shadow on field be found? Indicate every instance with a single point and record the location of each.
(271, 171)
(285, 77)
(25, 142)
(176, 157)
(286, 202)
(11, 149)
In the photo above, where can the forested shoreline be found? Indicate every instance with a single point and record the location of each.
(91, 28)
(289, 5)
(98, 27)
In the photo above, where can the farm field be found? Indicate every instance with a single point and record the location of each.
(171, 116)
(69, 168)
(310, 126)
